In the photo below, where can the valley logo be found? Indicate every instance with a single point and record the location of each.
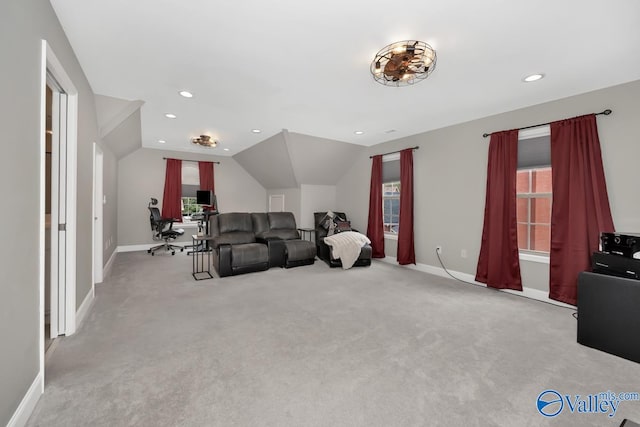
(551, 403)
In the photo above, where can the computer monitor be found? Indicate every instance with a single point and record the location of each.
(204, 197)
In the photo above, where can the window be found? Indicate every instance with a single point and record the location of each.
(189, 207)
(533, 188)
(190, 186)
(391, 207)
(534, 191)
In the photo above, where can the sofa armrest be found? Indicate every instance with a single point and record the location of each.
(276, 250)
(224, 260)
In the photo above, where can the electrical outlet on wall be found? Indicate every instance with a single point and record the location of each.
(439, 249)
(463, 253)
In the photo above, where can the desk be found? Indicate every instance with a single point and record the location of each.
(197, 262)
(304, 231)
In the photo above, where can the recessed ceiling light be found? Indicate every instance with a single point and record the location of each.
(533, 77)
(161, 141)
(225, 149)
(358, 132)
(170, 116)
(186, 94)
(256, 130)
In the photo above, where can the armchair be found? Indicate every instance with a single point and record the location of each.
(324, 251)
(279, 231)
(234, 245)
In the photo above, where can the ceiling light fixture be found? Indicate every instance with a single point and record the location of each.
(403, 63)
(359, 132)
(186, 94)
(205, 141)
(170, 116)
(161, 141)
(225, 149)
(256, 130)
(533, 78)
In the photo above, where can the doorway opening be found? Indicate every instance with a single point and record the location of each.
(98, 203)
(48, 339)
(58, 189)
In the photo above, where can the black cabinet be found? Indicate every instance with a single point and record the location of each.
(609, 314)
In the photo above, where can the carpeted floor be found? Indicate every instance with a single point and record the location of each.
(313, 346)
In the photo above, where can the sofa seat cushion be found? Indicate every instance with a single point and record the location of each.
(249, 254)
(233, 238)
(298, 250)
(284, 234)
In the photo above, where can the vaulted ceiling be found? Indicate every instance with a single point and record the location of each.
(288, 160)
(304, 66)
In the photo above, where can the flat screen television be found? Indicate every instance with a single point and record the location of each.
(205, 197)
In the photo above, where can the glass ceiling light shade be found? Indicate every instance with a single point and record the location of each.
(205, 141)
(403, 63)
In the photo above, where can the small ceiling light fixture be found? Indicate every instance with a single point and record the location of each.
(403, 63)
(256, 130)
(205, 141)
(186, 94)
(359, 132)
(161, 141)
(533, 78)
(170, 116)
(225, 149)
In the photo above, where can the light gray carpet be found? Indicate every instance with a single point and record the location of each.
(313, 346)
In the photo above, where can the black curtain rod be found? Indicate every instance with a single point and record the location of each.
(392, 152)
(605, 112)
(185, 160)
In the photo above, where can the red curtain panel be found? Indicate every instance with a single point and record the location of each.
(206, 176)
(171, 207)
(375, 228)
(498, 263)
(406, 251)
(580, 209)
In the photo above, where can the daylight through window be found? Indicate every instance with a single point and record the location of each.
(533, 188)
(391, 207)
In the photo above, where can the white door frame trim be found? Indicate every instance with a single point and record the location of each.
(51, 63)
(97, 228)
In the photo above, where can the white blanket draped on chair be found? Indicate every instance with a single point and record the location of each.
(346, 246)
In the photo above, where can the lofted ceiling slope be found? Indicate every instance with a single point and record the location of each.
(119, 122)
(288, 160)
(269, 163)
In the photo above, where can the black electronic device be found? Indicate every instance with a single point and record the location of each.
(204, 197)
(622, 244)
(616, 265)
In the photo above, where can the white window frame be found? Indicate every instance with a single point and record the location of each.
(530, 196)
(526, 255)
(390, 235)
(389, 158)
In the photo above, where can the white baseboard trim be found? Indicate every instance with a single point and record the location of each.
(109, 264)
(135, 248)
(28, 403)
(84, 307)
(530, 293)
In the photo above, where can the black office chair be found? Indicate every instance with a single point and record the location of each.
(163, 230)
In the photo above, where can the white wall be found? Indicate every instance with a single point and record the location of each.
(315, 198)
(141, 176)
(450, 176)
(291, 200)
(23, 26)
